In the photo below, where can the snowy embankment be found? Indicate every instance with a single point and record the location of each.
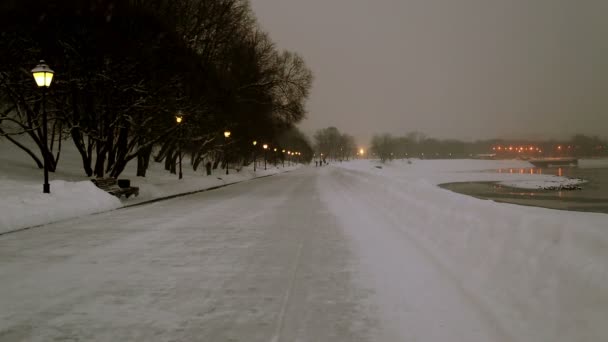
(536, 274)
(22, 203)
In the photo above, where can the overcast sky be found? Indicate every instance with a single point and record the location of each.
(463, 69)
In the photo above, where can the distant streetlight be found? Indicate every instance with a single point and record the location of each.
(265, 146)
(43, 75)
(254, 159)
(178, 119)
(226, 135)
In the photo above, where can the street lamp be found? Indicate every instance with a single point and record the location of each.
(265, 146)
(283, 157)
(43, 75)
(178, 119)
(254, 160)
(226, 135)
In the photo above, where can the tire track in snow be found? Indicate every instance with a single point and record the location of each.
(292, 281)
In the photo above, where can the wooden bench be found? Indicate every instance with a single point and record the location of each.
(110, 185)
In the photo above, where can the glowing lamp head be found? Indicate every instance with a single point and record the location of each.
(43, 74)
(283, 151)
(265, 146)
(275, 149)
(227, 134)
(178, 118)
(361, 151)
(255, 143)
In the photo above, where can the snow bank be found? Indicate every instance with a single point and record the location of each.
(159, 183)
(511, 173)
(541, 274)
(555, 183)
(24, 204)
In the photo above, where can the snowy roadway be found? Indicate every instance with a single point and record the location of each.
(311, 255)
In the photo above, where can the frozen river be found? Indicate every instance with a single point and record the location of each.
(593, 196)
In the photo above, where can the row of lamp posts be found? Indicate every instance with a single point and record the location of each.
(179, 118)
(43, 75)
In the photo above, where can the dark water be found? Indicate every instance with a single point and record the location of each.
(593, 197)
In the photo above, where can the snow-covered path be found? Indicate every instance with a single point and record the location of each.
(317, 254)
(257, 261)
(420, 298)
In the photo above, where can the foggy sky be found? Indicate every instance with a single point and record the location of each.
(464, 69)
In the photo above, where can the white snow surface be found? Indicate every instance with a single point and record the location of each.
(554, 182)
(23, 204)
(496, 272)
(346, 252)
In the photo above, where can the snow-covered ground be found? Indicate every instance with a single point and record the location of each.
(346, 252)
(523, 273)
(23, 204)
(555, 182)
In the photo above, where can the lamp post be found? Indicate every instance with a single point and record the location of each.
(178, 119)
(265, 146)
(226, 135)
(254, 160)
(274, 156)
(283, 157)
(44, 76)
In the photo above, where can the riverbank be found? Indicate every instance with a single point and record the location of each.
(591, 177)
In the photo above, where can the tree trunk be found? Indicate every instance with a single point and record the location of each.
(143, 159)
(173, 159)
(100, 162)
(168, 160)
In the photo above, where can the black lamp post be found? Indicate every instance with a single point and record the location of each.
(265, 146)
(226, 135)
(44, 76)
(283, 157)
(254, 159)
(178, 119)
